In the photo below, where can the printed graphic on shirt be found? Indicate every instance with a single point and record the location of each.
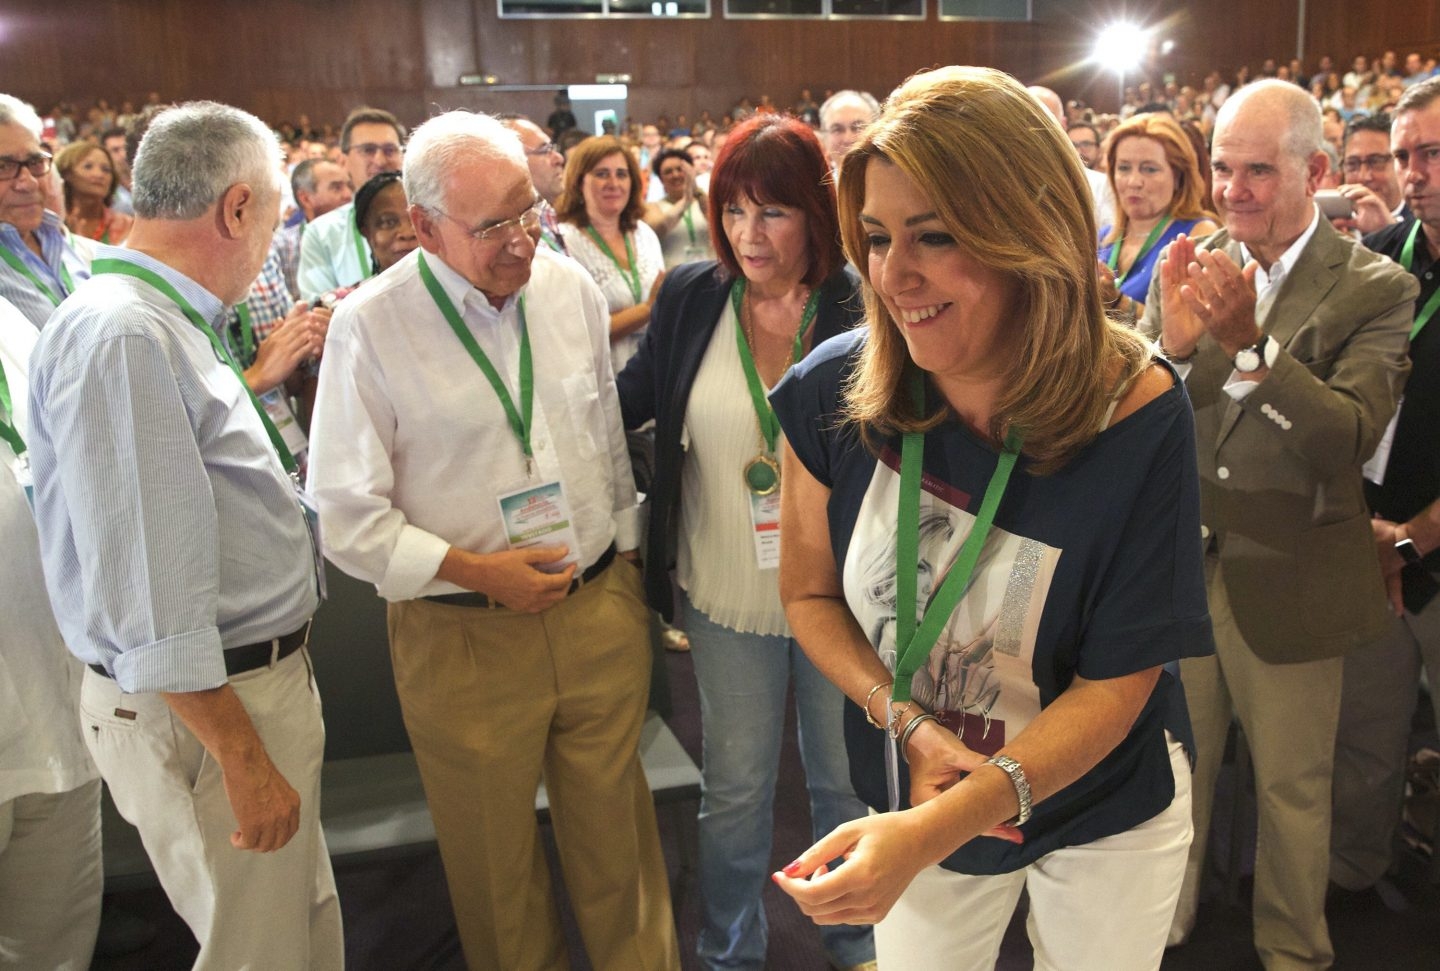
(977, 680)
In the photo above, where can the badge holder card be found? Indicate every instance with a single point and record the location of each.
(539, 515)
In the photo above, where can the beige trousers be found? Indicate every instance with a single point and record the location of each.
(249, 911)
(494, 698)
(1289, 713)
(51, 876)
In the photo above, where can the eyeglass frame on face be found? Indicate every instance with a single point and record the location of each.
(544, 149)
(371, 149)
(43, 159)
(1353, 164)
(503, 232)
(854, 128)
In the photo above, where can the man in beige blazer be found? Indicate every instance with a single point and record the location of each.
(1292, 342)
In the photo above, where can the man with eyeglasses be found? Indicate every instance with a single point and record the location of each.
(332, 252)
(1403, 491)
(1086, 141)
(40, 261)
(843, 116)
(547, 171)
(1370, 180)
(469, 460)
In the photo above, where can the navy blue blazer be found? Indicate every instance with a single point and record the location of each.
(656, 384)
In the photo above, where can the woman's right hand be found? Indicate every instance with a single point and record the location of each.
(655, 287)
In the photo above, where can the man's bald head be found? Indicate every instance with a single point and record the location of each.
(1050, 100)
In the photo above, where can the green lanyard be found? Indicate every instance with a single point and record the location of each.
(18, 264)
(689, 216)
(632, 276)
(912, 645)
(764, 414)
(519, 419)
(362, 255)
(147, 275)
(247, 330)
(1407, 260)
(8, 431)
(549, 241)
(1148, 245)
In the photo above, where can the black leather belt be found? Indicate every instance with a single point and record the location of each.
(238, 660)
(480, 600)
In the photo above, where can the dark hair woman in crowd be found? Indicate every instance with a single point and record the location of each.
(721, 334)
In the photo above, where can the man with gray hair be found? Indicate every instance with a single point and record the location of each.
(1291, 340)
(40, 263)
(177, 553)
(843, 116)
(469, 460)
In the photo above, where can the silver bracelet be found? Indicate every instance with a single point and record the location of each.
(1022, 785)
(910, 730)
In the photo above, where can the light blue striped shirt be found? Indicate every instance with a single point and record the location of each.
(59, 248)
(168, 528)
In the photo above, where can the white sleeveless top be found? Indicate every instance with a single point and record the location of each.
(716, 553)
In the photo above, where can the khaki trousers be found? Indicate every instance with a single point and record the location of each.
(1289, 713)
(249, 911)
(492, 699)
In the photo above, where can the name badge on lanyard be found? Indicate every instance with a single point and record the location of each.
(765, 529)
(540, 515)
(311, 508)
(277, 406)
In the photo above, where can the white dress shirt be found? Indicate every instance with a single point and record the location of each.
(328, 257)
(410, 445)
(40, 745)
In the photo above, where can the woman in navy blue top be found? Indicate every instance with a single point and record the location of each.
(991, 544)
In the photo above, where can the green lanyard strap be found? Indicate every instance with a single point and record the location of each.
(19, 265)
(160, 284)
(912, 644)
(632, 275)
(1407, 260)
(764, 414)
(8, 431)
(247, 330)
(689, 216)
(362, 255)
(519, 419)
(1145, 248)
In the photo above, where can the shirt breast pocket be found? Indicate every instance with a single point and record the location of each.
(582, 403)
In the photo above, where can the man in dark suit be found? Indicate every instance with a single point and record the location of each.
(1403, 488)
(1292, 340)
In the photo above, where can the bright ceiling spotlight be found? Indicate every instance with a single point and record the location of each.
(1120, 47)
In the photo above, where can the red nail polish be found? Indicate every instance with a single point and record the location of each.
(792, 869)
(775, 877)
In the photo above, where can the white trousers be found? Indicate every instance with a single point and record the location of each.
(249, 911)
(51, 877)
(1104, 906)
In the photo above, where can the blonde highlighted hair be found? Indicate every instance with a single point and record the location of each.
(1189, 200)
(1007, 185)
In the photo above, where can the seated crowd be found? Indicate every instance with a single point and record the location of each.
(816, 341)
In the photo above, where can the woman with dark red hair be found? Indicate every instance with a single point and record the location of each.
(721, 334)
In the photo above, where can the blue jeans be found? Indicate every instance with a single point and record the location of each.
(742, 680)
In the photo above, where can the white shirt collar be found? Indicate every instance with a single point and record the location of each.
(1286, 262)
(462, 292)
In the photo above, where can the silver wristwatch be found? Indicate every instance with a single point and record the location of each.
(1017, 779)
(1251, 358)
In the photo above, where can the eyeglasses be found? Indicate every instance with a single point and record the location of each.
(38, 164)
(854, 128)
(545, 149)
(1375, 163)
(1426, 155)
(371, 149)
(501, 232)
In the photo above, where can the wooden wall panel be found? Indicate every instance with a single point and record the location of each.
(281, 58)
